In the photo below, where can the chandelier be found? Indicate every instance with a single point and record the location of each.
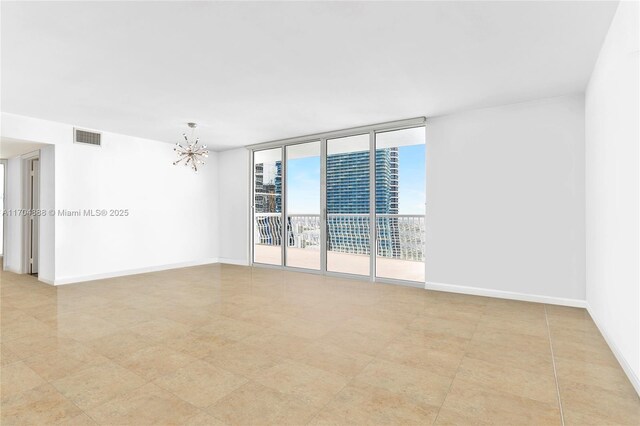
(191, 153)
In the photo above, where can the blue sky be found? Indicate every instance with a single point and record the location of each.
(304, 182)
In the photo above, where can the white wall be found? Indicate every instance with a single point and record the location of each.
(15, 224)
(613, 190)
(505, 197)
(234, 206)
(505, 190)
(168, 205)
(46, 242)
(13, 200)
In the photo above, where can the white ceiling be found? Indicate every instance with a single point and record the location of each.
(252, 72)
(10, 148)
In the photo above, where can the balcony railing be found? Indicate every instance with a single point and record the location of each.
(398, 236)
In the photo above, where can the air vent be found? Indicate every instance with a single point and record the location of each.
(86, 137)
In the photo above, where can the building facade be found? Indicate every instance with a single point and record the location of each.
(267, 198)
(348, 205)
(348, 190)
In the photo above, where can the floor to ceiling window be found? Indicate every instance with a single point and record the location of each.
(348, 199)
(303, 205)
(267, 206)
(400, 204)
(325, 202)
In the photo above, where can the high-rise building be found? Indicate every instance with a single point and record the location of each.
(268, 199)
(348, 184)
(268, 190)
(348, 205)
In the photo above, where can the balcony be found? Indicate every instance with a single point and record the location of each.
(400, 243)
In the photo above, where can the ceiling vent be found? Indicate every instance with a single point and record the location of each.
(87, 137)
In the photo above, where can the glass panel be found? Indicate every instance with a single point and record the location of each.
(303, 205)
(400, 204)
(348, 245)
(267, 201)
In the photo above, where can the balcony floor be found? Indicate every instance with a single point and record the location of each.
(342, 262)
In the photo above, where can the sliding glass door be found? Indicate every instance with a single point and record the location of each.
(302, 190)
(400, 204)
(267, 206)
(348, 202)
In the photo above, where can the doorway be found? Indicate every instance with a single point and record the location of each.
(32, 218)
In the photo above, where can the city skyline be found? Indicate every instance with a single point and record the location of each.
(303, 181)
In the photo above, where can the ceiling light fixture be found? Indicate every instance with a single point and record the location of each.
(191, 153)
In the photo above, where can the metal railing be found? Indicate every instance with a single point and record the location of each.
(398, 236)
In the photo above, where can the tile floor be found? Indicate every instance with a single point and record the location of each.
(222, 344)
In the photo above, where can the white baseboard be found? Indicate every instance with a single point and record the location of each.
(242, 262)
(10, 269)
(635, 381)
(46, 281)
(500, 294)
(77, 279)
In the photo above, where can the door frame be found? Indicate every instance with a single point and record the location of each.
(371, 130)
(27, 160)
